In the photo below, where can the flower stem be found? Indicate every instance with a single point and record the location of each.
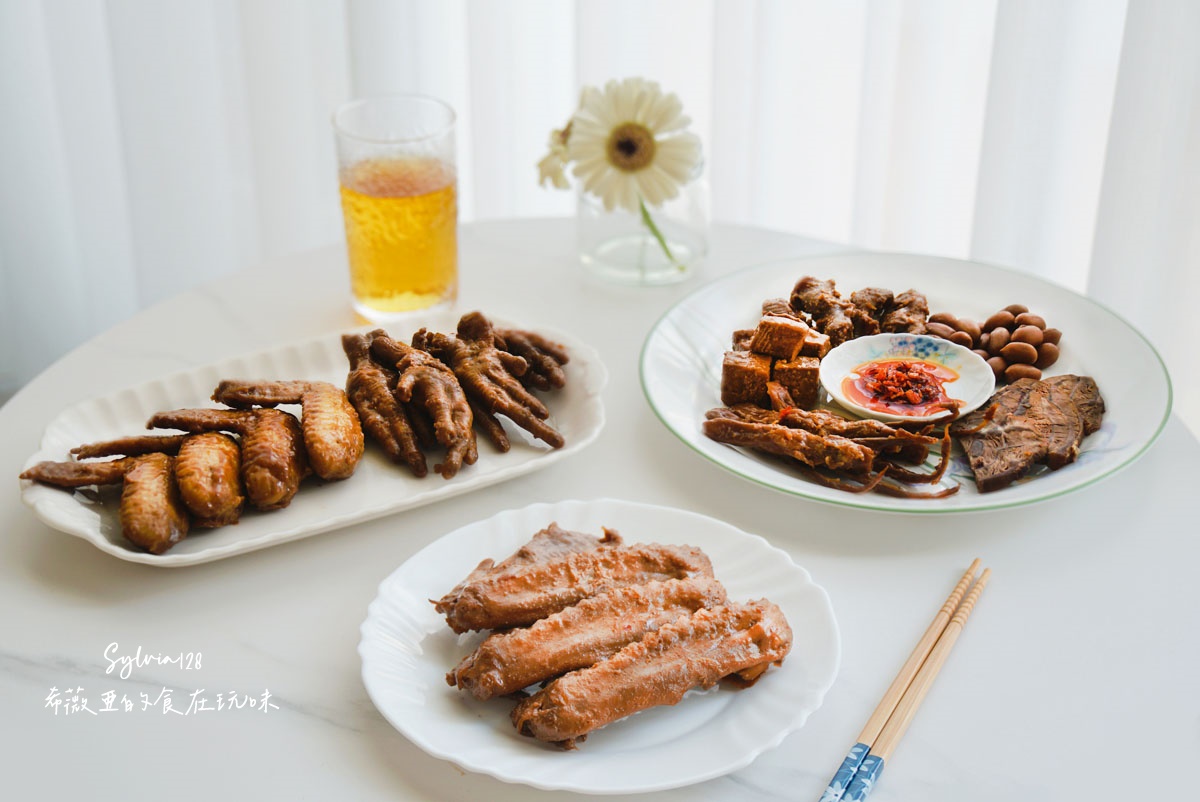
(649, 221)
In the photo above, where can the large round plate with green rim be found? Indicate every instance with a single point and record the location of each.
(681, 368)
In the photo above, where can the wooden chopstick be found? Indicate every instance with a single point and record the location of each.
(872, 765)
(883, 711)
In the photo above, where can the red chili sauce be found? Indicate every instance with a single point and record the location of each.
(900, 386)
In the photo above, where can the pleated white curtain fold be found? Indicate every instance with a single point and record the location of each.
(1146, 253)
(1049, 100)
(63, 194)
(150, 146)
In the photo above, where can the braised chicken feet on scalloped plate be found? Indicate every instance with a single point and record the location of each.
(378, 486)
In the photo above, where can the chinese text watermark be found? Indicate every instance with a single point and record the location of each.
(73, 700)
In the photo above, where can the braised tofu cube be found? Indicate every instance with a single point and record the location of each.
(801, 378)
(779, 336)
(742, 338)
(744, 377)
(816, 344)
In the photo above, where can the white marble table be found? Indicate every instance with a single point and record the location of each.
(1078, 678)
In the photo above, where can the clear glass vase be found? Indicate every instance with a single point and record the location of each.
(619, 246)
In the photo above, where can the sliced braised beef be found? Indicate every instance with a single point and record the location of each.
(1063, 420)
(1086, 395)
(1028, 423)
(1002, 448)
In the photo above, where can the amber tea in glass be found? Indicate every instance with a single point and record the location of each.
(398, 187)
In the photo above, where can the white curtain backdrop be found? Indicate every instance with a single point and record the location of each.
(150, 146)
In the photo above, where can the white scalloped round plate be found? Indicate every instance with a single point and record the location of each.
(378, 487)
(681, 369)
(406, 650)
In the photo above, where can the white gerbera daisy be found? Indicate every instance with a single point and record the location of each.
(552, 165)
(629, 144)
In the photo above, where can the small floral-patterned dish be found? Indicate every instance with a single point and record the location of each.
(963, 375)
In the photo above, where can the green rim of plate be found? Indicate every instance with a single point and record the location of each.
(763, 266)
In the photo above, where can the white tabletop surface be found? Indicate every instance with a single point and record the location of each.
(1078, 677)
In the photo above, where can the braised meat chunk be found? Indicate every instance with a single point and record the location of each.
(831, 314)
(907, 314)
(815, 343)
(741, 338)
(781, 307)
(873, 303)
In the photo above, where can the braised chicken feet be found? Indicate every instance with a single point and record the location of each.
(491, 376)
(427, 383)
(383, 417)
(543, 357)
(490, 425)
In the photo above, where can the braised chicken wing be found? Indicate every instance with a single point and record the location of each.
(273, 457)
(207, 468)
(739, 640)
(152, 514)
(333, 437)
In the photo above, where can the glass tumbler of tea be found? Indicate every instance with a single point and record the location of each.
(396, 173)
